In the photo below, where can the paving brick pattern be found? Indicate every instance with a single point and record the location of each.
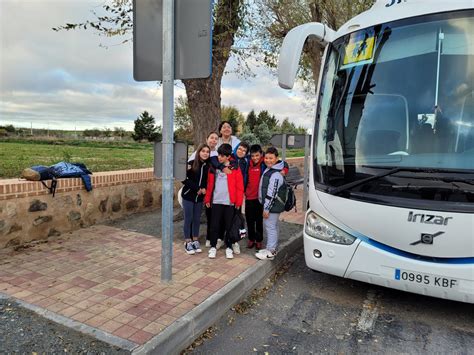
(109, 279)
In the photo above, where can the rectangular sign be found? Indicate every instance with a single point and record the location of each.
(292, 140)
(192, 33)
(180, 160)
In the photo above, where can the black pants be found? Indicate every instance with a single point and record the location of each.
(221, 220)
(209, 218)
(254, 218)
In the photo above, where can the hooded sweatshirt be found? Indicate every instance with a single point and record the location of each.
(267, 198)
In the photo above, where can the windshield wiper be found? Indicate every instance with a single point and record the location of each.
(337, 190)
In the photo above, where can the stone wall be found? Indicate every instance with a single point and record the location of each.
(28, 212)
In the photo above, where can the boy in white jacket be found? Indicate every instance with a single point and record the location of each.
(270, 183)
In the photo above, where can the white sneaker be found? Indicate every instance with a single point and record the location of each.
(265, 254)
(229, 254)
(212, 253)
(236, 248)
(208, 243)
(219, 243)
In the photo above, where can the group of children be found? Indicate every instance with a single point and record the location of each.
(221, 177)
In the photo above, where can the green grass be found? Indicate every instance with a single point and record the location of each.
(294, 153)
(98, 156)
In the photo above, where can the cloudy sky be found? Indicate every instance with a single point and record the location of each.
(65, 79)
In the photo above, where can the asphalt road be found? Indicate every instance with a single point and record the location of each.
(306, 312)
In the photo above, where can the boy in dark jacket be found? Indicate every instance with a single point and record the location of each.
(226, 193)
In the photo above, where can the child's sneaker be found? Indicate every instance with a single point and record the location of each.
(265, 254)
(229, 254)
(250, 244)
(212, 253)
(259, 246)
(197, 246)
(208, 243)
(189, 248)
(236, 248)
(219, 244)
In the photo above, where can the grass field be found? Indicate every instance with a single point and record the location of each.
(98, 156)
(16, 155)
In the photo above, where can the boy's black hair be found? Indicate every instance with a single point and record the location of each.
(256, 148)
(245, 145)
(272, 150)
(225, 149)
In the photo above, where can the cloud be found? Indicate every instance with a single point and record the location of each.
(66, 79)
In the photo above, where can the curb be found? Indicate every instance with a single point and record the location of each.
(182, 333)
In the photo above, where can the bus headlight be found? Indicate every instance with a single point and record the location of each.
(319, 228)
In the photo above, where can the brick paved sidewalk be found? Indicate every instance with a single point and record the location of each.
(105, 279)
(109, 279)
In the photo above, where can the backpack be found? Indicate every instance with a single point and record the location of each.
(285, 199)
(237, 231)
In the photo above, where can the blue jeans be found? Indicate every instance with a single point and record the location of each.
(192, 218)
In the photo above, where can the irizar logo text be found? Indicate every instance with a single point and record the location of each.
(428, 218)
(393, 2)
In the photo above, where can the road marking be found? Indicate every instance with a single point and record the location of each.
(369, 313)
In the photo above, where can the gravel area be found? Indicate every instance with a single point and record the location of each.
(25, 332)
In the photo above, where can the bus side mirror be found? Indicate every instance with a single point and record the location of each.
(292, 47)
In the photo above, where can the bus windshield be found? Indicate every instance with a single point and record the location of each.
(399, 94)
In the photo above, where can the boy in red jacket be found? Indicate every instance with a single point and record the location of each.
(225, 192)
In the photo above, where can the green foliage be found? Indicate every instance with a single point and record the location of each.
(289, 127)
(249, 138)
(251, 120)
(234, 116)
(10, 128)
(67, 156)
(145, 128)
(120, 132)
(263, 133)
(182, 114)
(269, 120)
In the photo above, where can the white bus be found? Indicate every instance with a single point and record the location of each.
(391, 190)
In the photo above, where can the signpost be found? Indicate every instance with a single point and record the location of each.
(155, 24)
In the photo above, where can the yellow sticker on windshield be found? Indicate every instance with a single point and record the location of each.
(359, 51)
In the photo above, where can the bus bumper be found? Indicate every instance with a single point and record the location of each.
(443, 280)
(364, 262)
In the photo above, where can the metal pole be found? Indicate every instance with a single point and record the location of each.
(283, 147)
(167, 158)
(306, 172)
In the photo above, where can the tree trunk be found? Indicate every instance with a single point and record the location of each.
(204, 95)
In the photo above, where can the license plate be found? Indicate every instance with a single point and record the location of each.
(426, 279)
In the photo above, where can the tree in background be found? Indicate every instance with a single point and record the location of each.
(182, 119)
(263, 133)
(269, 120)
(289, 127)
(204, 95)
(251, 121)
(120, 132)
(145, 128)
(234, 116)
(277, 17)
